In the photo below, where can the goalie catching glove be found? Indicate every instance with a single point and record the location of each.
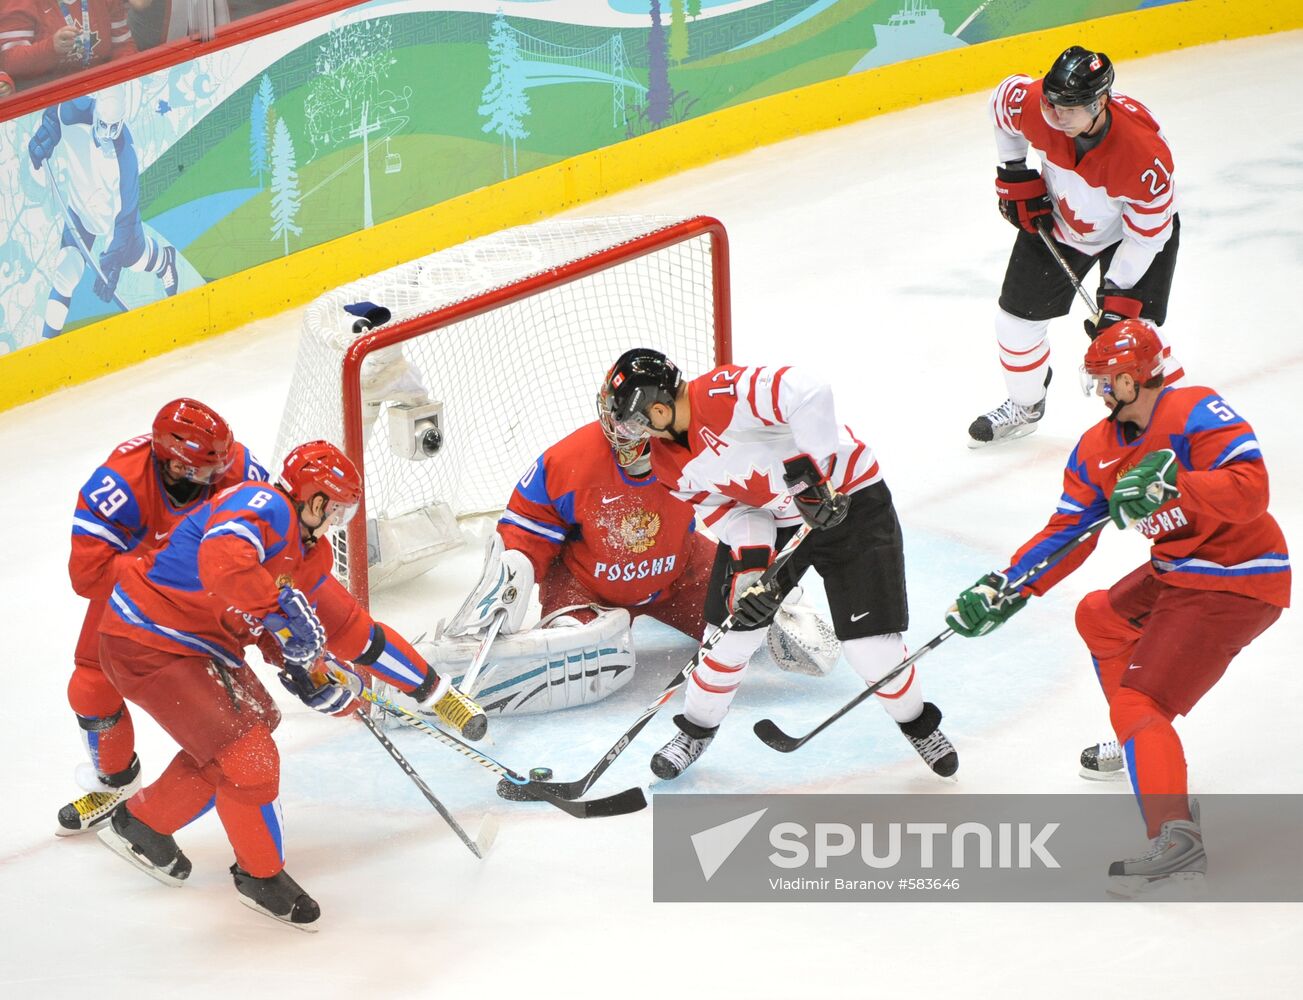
(505, 585)
(982, 608)
(1144, 488)
(819, 504)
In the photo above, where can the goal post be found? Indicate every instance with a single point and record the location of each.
(444, 377)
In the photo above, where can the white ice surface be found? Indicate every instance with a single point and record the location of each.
(873, 253)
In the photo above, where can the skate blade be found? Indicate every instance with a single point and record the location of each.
(306, 928)
(110, 838)
(1178, 886)
(1021, 432)
(1119, 775)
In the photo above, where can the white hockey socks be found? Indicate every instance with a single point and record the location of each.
(1024, 356)
(875, 657)
(711, 687)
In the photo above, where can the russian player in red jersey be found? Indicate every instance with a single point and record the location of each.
(1105, 192)
(247, 563)
(127, 507)
(757, 451)
(1184, 468)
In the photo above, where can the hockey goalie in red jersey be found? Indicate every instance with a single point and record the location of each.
(606, 544)
(247, 565)
(127, 507)
(1184, 468)
(1105, 192)
(756, 451)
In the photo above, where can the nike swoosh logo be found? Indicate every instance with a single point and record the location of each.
(612, 499)
(1134, 666)
(1105, 465)
(159, 535)
(862, 614)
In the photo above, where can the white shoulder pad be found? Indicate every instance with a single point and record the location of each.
(557, 665)
(505, 585)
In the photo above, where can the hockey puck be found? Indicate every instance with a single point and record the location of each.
(540, 774)
(512, 792)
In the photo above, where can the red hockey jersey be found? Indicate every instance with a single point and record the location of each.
(1217, 535)
(1122, 190)
(626, 539)
(123, 509)
(745, 423)
(27, 29)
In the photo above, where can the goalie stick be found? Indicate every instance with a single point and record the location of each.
(574, 789)
(627, 801)
(774, 737)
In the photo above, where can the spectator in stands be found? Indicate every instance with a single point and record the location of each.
(41, 40)
(6, 85)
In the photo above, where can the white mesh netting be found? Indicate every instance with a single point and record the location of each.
(512, 380)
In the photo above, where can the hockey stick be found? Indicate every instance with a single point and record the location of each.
(76, 237)
(576, 788)
(1068, 272)
(774, 737)
(467, 685)
(480, 845)
(627, 801)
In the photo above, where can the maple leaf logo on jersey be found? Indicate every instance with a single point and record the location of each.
(754, 491)
(1077, 225)
(638, 530)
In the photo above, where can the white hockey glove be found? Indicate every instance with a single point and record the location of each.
(505, 586)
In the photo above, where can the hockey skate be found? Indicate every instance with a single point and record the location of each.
(1175, 862)
(925, 735)
(458, 712)
(104, 793)
(278, 896)
(1103, 762)
(167, 273)
(1008, 421)
(677, 755)
(154, 853)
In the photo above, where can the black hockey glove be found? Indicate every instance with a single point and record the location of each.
(1023, 196)
(752, 602)
(1115, 305)
(819, 504)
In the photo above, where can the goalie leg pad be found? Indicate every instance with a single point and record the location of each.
(558, 665)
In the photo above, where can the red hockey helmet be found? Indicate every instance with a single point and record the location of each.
(318, 467)
(1131, 347)
(187, 431)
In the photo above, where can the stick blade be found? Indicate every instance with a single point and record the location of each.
(773, 737)
(621, 803)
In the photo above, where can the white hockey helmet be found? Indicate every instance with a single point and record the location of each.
(112, 109)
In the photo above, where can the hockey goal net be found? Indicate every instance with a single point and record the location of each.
(492, 350)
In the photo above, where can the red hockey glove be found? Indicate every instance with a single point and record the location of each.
(1023, 196)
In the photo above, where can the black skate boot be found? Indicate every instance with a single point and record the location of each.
(677, 755)
(154, 853)
(1103, 762)
(925, 734)
(278, 896)
(93, 808)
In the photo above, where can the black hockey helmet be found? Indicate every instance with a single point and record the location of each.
(1078, 77)
(637, 380)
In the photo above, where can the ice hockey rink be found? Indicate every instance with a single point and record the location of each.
(873, 254)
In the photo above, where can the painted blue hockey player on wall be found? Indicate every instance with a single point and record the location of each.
(101, 199)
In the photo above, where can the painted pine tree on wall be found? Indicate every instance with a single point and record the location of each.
(263, 99)
(504, 101)
(658, 71)
(285, 197)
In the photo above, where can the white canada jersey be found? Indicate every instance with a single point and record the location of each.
(745, 423)
(1121, 190)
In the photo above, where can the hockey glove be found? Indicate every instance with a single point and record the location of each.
(752, 602)
(336, 695)
(819, 504)
(1114, 306)
(1023, 197)
(41, 145)
(1144, 488)
(110, 270)
(980, 609)
(297, 629)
